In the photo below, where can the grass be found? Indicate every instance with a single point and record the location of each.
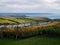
(10, 20)
(20, 20)
(2, 21)
(14, 20)
(38, 40)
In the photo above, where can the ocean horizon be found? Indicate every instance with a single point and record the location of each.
(48, 15)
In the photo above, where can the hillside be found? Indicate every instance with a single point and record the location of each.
(16, 20)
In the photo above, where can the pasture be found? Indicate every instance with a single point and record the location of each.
(38, 40)
(14, 20)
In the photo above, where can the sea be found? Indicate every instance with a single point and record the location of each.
(48, 15)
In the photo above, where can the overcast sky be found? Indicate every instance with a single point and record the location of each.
(38, 6)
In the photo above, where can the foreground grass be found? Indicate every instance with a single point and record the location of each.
(38, 40)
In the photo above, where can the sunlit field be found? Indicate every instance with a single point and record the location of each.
(3, 21)
(20, 20)
(14, 20)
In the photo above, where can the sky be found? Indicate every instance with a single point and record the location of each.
(30, 6)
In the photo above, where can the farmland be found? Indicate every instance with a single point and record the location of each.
(14, 20)
(47, 34)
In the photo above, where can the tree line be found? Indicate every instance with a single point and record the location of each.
(52, 29)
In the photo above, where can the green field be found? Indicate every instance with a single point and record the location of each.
(14, 20)
(38, 40)
(20, 20)
(10, 20)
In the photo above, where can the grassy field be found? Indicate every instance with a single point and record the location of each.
(38, 40)
(14, 20)
(10, 20)
(20, 20)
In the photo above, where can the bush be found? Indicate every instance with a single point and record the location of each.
(52, 29)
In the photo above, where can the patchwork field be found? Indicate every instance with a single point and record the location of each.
(10, 20)
(14, 20)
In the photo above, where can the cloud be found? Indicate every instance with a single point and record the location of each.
(30, 6)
